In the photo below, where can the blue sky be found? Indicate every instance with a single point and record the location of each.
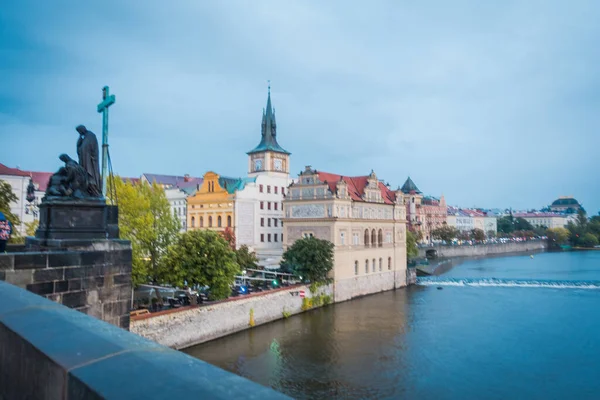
(493, 104)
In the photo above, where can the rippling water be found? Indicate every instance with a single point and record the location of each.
(513, 327)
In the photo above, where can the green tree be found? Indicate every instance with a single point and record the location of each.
(31, 227)
(145, 219)
(310, 258)
(588, 240)
(478, 234)
(521, 224)
(445, 232)
(245, 258)
(558, 235)
(7, 196)
(505, 225)
(411, 245)
(204, 258)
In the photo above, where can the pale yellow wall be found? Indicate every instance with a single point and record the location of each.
(211, 200)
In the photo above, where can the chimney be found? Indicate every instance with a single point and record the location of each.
(186, 178)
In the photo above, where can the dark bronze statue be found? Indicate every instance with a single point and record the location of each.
(87, 151)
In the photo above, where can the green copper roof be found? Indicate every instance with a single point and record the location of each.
(268, 140)
(233, 184)
(409, 186)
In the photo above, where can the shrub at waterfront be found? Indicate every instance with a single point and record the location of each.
(203, 258)
(311, 259)
(584, 232)
(411, 245)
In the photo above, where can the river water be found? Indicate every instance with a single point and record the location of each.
(511, 327)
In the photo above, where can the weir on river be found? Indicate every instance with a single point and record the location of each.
(506, 327)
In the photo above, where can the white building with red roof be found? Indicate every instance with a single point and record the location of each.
(362, 217)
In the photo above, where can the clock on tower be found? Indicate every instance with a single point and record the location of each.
(258, 165)
(278, 164)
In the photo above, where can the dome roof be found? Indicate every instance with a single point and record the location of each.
(565, 201)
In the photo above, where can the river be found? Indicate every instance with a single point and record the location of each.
(510, 327)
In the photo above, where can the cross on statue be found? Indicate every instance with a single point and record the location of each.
(107, 101)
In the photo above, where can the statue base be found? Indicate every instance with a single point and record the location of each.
(77, 219)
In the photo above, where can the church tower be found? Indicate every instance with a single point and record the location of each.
(268, 157)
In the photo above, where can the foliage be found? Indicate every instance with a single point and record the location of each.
(478, 234)
(491, 234)
(509, 224)
(31, 227)
(558, 235)
(315, 301)
(229, 236)
(588, 240)
(446, 233)
(411, 245)
(310, 258)
(145, 219)
(286, 314)
(7, 196)
(251, 323)
(306, 303)
(245, 258)
(204, 258)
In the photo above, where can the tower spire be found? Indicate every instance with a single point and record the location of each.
(268, 129)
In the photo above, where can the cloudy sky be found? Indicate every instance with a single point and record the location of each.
(493, 104)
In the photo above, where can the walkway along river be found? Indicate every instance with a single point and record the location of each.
(507, 327)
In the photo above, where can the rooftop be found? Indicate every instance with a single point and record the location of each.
(356, 186)
(410, 187)
(268, 140)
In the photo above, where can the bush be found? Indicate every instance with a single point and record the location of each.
(588, 240)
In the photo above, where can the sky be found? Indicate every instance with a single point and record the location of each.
(492, 104)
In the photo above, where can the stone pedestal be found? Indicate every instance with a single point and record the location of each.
(75, 219)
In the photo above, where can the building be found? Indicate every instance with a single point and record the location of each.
(362, 217)
(22, 182)
(423, 213)
(546, 219)
(565, 204)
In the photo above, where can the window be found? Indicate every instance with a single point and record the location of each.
(355, 239)
(282, 237)
(275, 237)
(366, 266)
(275, 205)
(388, 237)
(262, 222)
(342, 238)
(210, 221)
(275, 189)
(268, 188)
(275, 222)
(380, 238)
(262, 205)
(262, 237)
(367, 239)
(268, 237)
(260, 188)
(355, 267)
(268, 205)
(219, 221)
(380, 264)
(373, 265)
(373, 238)
(389, 263)
(307, 235)
(268, 221)
(229, 221)
(283, 190)
(201, 222)
(194, 222)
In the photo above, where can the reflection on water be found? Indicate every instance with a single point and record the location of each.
(468, 341)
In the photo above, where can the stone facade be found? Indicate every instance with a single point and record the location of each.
(423, 213)
(362, 218)
(93, 280)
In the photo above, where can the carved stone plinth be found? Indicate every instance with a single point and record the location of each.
(73, 219)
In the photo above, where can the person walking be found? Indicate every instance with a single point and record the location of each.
(5, 232)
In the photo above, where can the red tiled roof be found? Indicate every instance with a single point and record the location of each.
(42, 179)
(356, 186)
(4, 170)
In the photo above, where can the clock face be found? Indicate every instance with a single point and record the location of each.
(278, 165)
(258, 165)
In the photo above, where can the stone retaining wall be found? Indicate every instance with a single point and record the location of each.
(363, 285)
(485, 249)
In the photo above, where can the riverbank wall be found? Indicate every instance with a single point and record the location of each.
(484, 249)
(185, 327)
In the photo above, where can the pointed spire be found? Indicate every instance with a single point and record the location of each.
(268, 140)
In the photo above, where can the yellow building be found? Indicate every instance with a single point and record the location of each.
(212, 206)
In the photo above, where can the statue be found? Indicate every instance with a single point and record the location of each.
(87, 151)
(70, 181)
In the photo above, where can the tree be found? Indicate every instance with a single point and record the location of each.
(31, 227)
(229, 236)
(310, 258)
(521, 224)
(505, 225)
(588, 240)
(558, 235)
(478, 234)
(446, 233)
(202, 257)
(245, 258)
(146, 220)
(7, 196)
(411, 245)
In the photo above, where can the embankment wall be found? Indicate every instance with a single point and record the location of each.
(485, 249)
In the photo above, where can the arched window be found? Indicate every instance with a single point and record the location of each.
(194, 222)
(367, 239)
(355, 267)
(373, 265)
(380, 264)
(374, 238)
(380, 238)
(219, 221)
(210, 221)
(389, 263)
(201, 222)
(229, 221)
(366, 266)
